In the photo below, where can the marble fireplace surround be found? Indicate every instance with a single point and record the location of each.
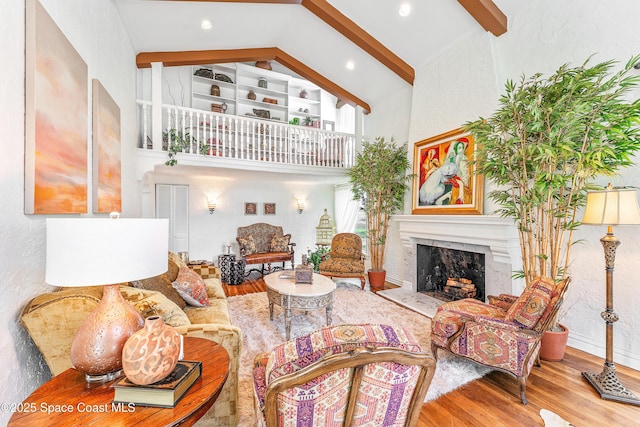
(496, 237)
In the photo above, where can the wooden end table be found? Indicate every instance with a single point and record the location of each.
(68, 400)
(291, 296)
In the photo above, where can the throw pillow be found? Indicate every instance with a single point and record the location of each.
(160, 284)
(191, 287)
(248, 244)
(151, 303)
(279, 243)
(527, 310)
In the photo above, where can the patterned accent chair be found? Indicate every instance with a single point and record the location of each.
(504, 334)
(345, 259)
(374, 375)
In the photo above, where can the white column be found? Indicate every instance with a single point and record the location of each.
(156, 105)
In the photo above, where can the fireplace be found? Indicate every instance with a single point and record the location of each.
(493, 238)
(450, 274)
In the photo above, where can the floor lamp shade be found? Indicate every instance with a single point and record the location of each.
(104, 252)
(612, 206)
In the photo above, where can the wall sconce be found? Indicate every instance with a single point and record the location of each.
(300, 205)
(211, 204)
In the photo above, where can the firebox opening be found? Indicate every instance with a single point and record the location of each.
(450, 274)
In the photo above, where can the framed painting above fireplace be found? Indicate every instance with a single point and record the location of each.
(444, 180)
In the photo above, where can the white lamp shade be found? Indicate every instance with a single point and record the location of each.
(96, 251)
(614, 206)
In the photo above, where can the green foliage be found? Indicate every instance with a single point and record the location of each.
(544, 146)
(379, 179)
(177, 142)
(316, 256)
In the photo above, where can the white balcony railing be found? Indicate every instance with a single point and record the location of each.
(224, 136)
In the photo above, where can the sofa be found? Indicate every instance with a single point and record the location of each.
(52, 319)
(263, 243)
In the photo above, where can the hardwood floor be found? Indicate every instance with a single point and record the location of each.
(493, 400)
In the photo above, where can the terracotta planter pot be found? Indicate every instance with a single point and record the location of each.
(151, 353)
(553, 345)
(376, 279)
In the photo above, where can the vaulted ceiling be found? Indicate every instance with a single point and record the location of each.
(313, 38)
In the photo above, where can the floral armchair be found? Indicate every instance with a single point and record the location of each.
(504, 334)
(345, 259)
(354, 375)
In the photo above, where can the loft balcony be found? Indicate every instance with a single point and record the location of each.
(187, 136)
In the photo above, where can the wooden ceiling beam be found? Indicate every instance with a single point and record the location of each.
(199, 57)
(488, 15)
(345, 26)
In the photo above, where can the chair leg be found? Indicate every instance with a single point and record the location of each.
(522, 382)
(434, 351)
(362, 281)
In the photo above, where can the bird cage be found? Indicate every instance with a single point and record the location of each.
(325, 230)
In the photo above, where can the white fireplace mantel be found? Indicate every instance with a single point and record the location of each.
(499, 234)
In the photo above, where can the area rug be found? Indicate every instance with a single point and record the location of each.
(351, 305)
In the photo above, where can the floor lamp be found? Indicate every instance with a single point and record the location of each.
(612, 206)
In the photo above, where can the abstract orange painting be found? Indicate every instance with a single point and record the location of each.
(107, 195)
(56, 130)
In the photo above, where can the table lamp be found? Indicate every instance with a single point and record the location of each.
(104, 252)
(612, 206)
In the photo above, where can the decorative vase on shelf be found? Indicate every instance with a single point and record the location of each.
(152, 353)
(262, 82)
(251, 95)
(304, 94)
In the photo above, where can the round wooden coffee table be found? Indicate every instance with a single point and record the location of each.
(68, 400)
(283, 291)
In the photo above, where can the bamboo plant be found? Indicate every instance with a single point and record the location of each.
(545, 145)
(379, 179)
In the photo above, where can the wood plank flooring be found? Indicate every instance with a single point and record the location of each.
(493, 400)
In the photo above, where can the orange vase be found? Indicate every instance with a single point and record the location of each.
(376, 279)
(152, 353)
(553, 345)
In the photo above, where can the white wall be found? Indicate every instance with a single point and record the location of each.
(465, 82)
(209, 233)
(110, 59)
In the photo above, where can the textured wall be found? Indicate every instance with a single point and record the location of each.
(110, 59)
(209, 233)
(464, 83)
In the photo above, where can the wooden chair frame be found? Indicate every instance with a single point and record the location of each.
(356, 360)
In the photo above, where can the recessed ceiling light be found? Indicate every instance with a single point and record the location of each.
(405, 9)
(350, 65)
(206, 24)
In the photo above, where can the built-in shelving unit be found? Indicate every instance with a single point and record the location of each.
(256, 92)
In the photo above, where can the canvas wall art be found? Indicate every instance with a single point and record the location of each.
(107, 189)
(444, 178)
(56, 123)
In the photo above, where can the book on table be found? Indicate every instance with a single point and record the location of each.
(164, 393)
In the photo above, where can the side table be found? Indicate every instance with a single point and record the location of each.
(236, 273)
(224, 262)
(68, 400)
(205, 269)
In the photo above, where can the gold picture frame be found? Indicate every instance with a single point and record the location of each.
(444, 180)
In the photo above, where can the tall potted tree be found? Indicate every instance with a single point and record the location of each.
(544, 146)
(379, 178)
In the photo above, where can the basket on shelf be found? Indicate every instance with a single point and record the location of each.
(204, 72)
(270, 100)
(215, 90)
(219, 108)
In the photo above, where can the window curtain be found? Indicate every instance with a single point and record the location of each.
(346, 209)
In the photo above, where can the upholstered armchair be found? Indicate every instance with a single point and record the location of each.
(504, 334)
(345, 259)
(374, 375)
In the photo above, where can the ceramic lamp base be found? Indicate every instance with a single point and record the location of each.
(96, 349)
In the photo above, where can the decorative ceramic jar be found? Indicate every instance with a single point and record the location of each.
(215, 90)
(251, 95)
(304, 94)
(152, 353)
(262, 82)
